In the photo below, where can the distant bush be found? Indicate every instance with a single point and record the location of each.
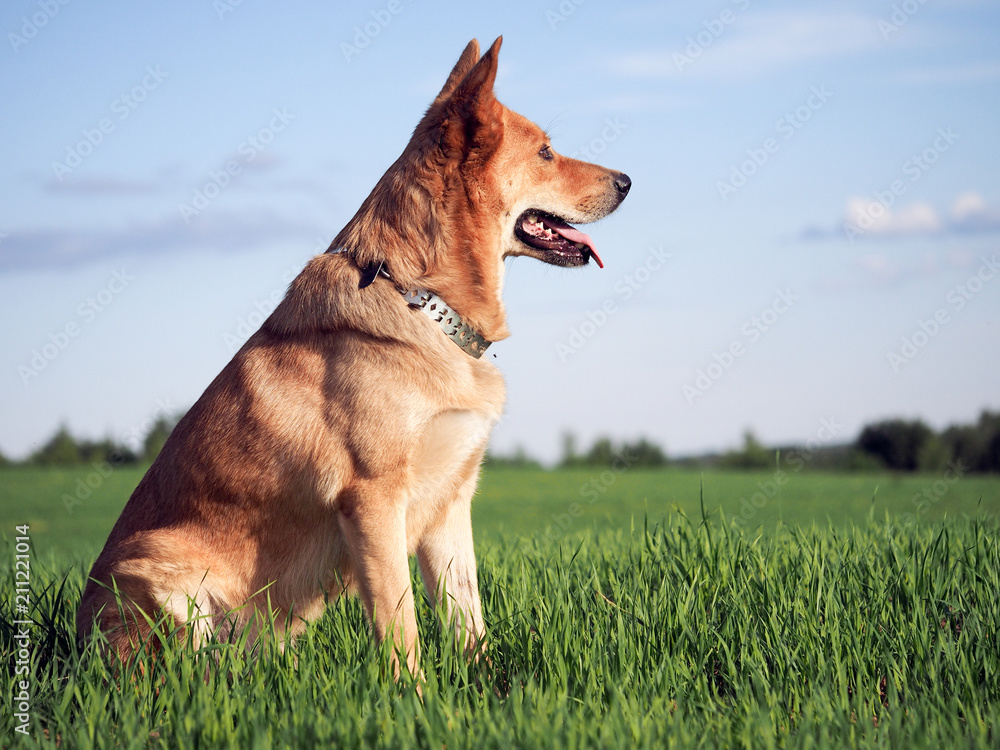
(976, 446)
(913, 446)
(752, 456)
(645, 454)
(518, 460)
(604, 452)
(897, 443)
(63, 449)
(157, 436)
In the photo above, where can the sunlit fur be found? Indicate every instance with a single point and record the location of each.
(348, 431)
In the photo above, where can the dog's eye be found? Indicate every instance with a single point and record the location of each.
(546, 153)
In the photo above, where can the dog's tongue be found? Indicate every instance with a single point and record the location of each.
(574, 235)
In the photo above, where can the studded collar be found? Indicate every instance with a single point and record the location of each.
(465, 336)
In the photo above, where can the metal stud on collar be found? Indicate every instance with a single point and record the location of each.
(464, 335)
(451, 322)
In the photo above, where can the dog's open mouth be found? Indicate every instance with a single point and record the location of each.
(560, 243)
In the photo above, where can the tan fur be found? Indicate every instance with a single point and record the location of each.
(348, 431)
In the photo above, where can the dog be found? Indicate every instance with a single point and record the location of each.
(348, 432)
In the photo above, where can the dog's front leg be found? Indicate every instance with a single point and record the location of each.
(375, 532)
(448, 566)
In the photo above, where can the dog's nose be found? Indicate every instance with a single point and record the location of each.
(623, 183)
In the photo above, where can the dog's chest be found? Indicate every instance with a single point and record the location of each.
(444, 467)
(447, 444)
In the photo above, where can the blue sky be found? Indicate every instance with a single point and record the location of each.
(811, 239)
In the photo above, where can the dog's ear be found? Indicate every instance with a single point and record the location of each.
(462, 67)
(479, 79)
(473, 118)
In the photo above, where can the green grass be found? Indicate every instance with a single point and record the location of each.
(73, 509)
(560, 503)
(868, 629)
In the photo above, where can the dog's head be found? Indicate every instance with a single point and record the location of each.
(478, 183)
(504, 160)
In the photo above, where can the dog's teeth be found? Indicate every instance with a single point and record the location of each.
(578, 245)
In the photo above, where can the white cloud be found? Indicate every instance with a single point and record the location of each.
(970, 212)
(868, 218)
(968, 205)
(874, 218)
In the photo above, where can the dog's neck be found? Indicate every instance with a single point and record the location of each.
(428, 246)
(464, 335)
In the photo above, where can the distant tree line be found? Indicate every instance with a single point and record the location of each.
(604, 452)
(519, 459)
(894, 444)
(913, 446)
(63, 449)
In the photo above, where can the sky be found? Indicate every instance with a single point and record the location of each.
(811, 242)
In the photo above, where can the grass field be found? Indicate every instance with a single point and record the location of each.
(849, 622)
(73, 509)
